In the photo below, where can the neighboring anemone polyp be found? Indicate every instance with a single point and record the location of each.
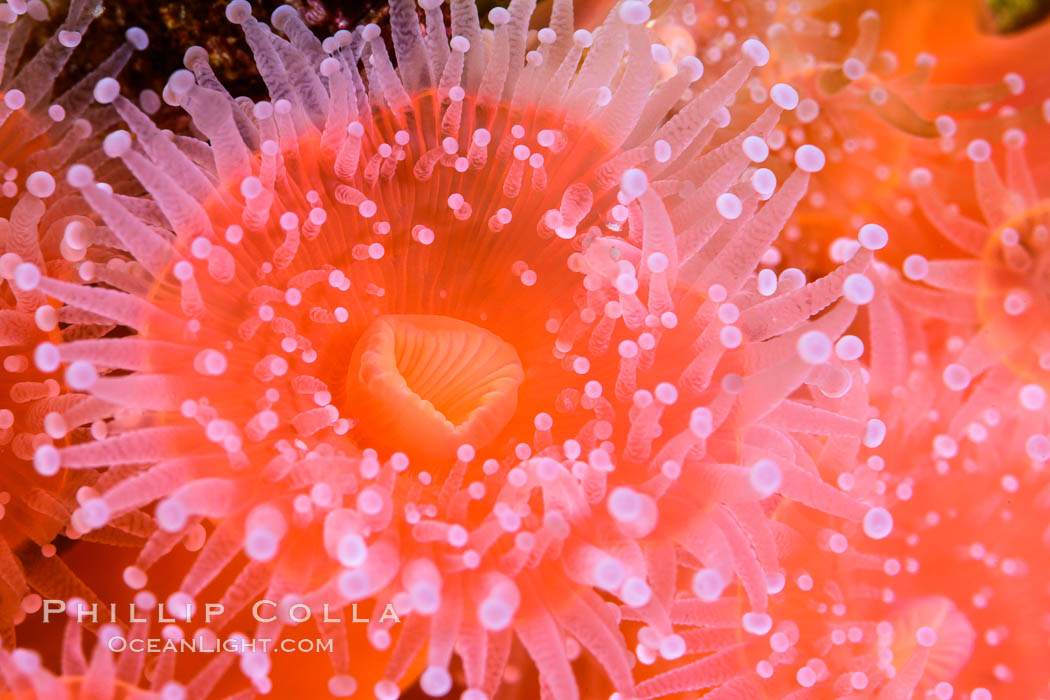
(1015, 285)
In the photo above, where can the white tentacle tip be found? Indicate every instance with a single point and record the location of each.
(634, 183)
(27, 276)
(692, 67)
(371, 32)
(920, 177)
(282, 16)
(809, 158)
(46, 460)
(756, 51)
(238, 11)
(40, 184)
(116, 144)
(193, 55)
(634, 12)
(180, 82)
(80, 176)
(106, 90)
(138, 38)
(784, 96)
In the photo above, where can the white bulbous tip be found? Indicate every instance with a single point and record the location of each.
(854, 68)
(94, 513)
(262, 110)
(106, 90)
(873, 236)
(499, 16)
(814, 347)
(82, 128)
(14, 99)
(1014, 83)
(181, 81)
(330, 66)
(69, 39)
(371, 32)
(582, 37)
(978, 150)
(46, 357)
(37, 11)
(193, 55)
(282, 15)
(27, 276)
(238, 11)
(430, 4)
(40, 184)
(460, 44)
(1014, 138)
(116, 144)
(784, 96)
(809, 158)
(878, 523)
(436, 681)
(138, 38)
(634, 12)
(926, 60)
(764, 181)
(80, 176)
(728, 206)
(634, 183)
(46, 460)
(920, 177)
(661, 54)
(342, 686)
(169, 97)
(691, 66)
(756, 51)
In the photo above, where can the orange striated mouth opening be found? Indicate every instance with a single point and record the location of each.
(429, 384)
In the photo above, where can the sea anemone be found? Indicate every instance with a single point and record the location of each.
(962, 466)
(479, 337)
(863, 105)
(948, 600)
(39, 133)
(1001, 278)
(965, 472)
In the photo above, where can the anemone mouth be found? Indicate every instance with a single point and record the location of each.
(1022, 248)
(425, 385)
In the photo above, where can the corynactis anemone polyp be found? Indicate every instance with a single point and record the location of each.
(867, 110)
(1003, 282)
(965, 472)
(39, 133)
(486, 325)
